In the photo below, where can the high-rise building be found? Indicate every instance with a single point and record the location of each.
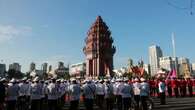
(166, 63)
(2, 70)
(44, 67)
(61, 71)
(32, 67)
(78, 69)
(50, 68)
(147, 68)
(15, 66)
(99, 50)
(155, 53)
(193, 69)
(184, 67)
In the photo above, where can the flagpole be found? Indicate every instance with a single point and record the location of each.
(174, 52)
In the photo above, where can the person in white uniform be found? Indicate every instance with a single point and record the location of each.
(162, 88)
(127, 93)
(35, 94)
(136, 91)
(52, 95)
(12, 95)
(88, 94)
(109, 95)
(74, 91)
(144, 93)
(100, 92)
(23, 91)
(119, 94)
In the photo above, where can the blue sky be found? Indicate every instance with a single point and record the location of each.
(54, 30)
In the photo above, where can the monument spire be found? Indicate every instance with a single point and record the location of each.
(99, 50)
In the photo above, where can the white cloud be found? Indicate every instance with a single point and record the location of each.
(8, 32)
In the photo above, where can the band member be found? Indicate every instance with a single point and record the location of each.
(169, 87)
(174, 84)
(152, 87)
(190, 84)
(183, 87)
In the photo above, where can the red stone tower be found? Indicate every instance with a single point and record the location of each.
(99, 50)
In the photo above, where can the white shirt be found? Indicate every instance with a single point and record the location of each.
(24, 89)
(144, 90)
(35, 91)
(108, 90)
(89, 90)
(52, 91)
(62, 89)
(161, 87)
(12, 91)
(126, 90)
(74, 92)
(136, 88)
(115, 88)
(100, 89)
(119, 88)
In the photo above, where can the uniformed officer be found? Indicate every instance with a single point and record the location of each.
(136, 90)
(109, 96)
(144, 93)
(119, 94)
(88, 94)
(52, 95)
(23, 91)
(162, 88)
(127, 93)
(42, 95)
(58, 82)
(35, 94)
(62, 89)
(12, 95)
(2, 93)
(74, 94)
(100, 92)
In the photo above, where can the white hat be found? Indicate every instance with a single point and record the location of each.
(142, 79)
(12, 80)
(58, 80)
(136, 79)
(3, 79)
(72, 79)
(62, 80)
(25, 78)
(36, 79)
(126, 79)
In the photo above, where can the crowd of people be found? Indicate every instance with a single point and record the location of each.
(52, 94)
(178, 87)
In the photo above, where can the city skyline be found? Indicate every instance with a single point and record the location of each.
(48, 31)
